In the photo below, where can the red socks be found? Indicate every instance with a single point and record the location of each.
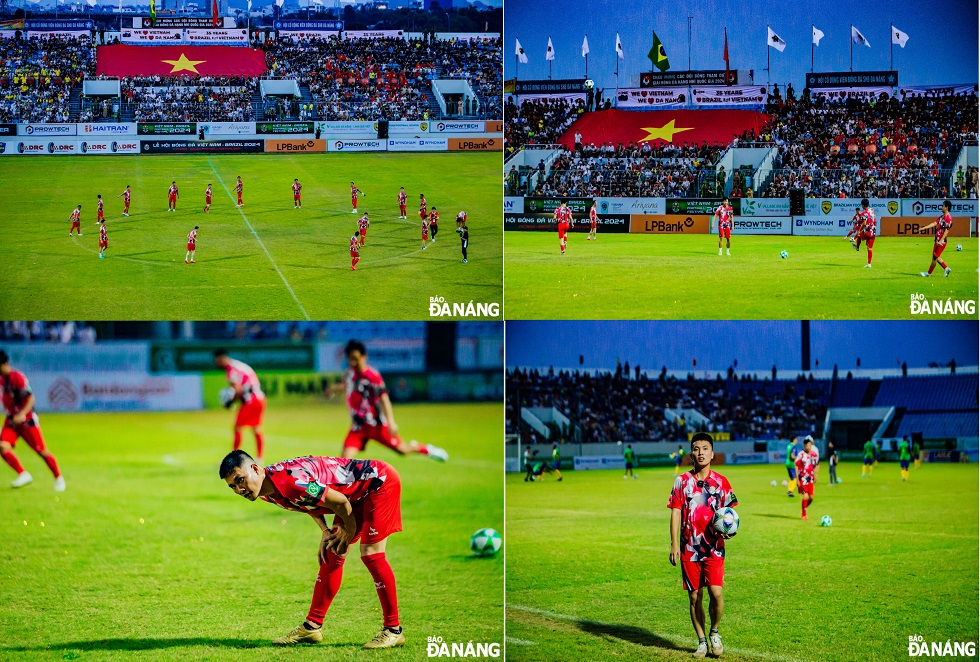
(259, 444)
(384, 581)
(327, 585)
(869, 255)
(52, 464)
(424, 449)
(238, 439)
(12, 460)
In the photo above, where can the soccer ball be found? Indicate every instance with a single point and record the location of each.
(959, 247)
(773, 483)
(226, 396)
(785, 483)
(485, 542)
(725, 521)
(619, 443)
(673, 455)
(783, 254)
(826, 521)
(589, 83)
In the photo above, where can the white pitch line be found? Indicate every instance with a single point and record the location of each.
(519, 642)
(677, 640)
(259, 239)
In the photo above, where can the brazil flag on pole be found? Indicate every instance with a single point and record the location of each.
(153, 13)
(657, 54)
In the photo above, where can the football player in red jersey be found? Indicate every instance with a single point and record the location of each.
(76, 221)
(191, 245)
(297, 194)
(100, 209)
(868, 229)
(806, 469)
(355, 252)
(238, 190)
(370, 409)
(172, 195)
(207, 199)
(433, 224)
(726, 217)
(126, 195)
(695, 543)
(364, 497)
(362, 225)
(425, 232)
(855, 231)
(593, 221)
(423, 210)
(248, 391)
(943, 225)
(460, 221)
(21, 422)
(402, 203)
(564, 217)
(354, 191)
(103, 240)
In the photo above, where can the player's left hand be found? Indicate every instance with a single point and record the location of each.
(19, 418)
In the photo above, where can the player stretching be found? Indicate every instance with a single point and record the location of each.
(402, 203)
(353, 197)
(172, 195)
(725, 215)
(943, 225)
(126, 195)
(806, 468)
(238, 189)
(593, 222)
(76, 221)
(460, 220)
(370, 409)
(207, 199)
(464, 237)
(697, 494)
(425, 232)
(103, 240)
(248, 391)
(434, 223)
(297, 198)
(364, 497)
(904, 458)
(868, 227)
(630, 457)
(564, 217)
(362, 225)
(355, 252)
(21, 421)
(191, 245)
(869, 458)
(99, 210)
(423, 211)
(855, 230)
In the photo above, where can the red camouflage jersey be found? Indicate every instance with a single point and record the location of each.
(76, 215)
(240, 374)
(461, 217)
(355, 245)
(869, 221)
(364, 391)
(806, 464)
(354, 191)
(402, 198)
(16, 389)
(192, 237)
(297, 187)
(102, 233)
(302, 483)
(724, 214)
(101, 205)
(433, 218)
(943, 223)
(126, 195)
(238, 186)
(425, 227)
(698, 501)
(208, 194)
(362, 223)
(593, 215)
(423, 206)
(173, 191)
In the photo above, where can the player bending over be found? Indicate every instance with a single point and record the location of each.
(21, 422)
(402, 203)
(76, 221)
(191, 244)
(460, 221)
(370, 410)
(207, 199)
(247, 390)
(807, 461)
(126, 195)
(695, 543)
(172, 194)
(364, 497)
(943, 225)
(725, 215)
(353, 197)
(103, 240)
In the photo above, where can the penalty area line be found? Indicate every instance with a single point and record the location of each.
(261, 244)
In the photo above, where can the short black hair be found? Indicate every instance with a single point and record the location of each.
(232, 461)
(3, 357)
(197, 227)
(947, 204)
(221, 351)
(354, 346)
(865, 203)
(703, 436)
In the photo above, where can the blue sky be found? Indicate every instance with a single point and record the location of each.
(756, 344)
(942, 47)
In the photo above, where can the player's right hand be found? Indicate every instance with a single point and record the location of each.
(675, 554)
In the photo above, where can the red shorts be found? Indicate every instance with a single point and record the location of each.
(867, 237)
(191, 246)
(425, 235)
(724, 233)
(561, 234)
(239, 197)
(295, 198)
(379, 514)
(103, 244)
(355, 254)
(76, 224)
(250, 413)
(806, 489)
(173, 198)
(29, 431)
(937, 250)
(698, 574)
(353, 202)
(422, 214)
(207, 201)
(401, 209)
(363, 234)
(592, 226)
(358, 438)
(100, 216)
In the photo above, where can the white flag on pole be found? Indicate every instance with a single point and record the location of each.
(550, 53)
(619, 47)
(817, 35)
(775, 41)
(519, 52)
(899, 37)
(585, 46)
(859, 38)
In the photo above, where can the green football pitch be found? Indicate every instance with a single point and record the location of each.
(588, 575)
(265, 261)
(148, 555)
(682, 277)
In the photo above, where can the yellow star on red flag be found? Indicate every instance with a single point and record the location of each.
(183, 64)
(665, 132)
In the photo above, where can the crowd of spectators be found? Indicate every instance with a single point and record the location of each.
(36, 76)
(618, 406)
(60, 332)
(538, 121)
(189, 98)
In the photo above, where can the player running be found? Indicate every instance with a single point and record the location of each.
(402, 203)
(21, 421)
(238, 189)
(564, 217)
(297, 197)
(353, 197)
(355, 252)
(370, 409)
(126, 195)
(869, 458)
(425, 232)
(904, 458)
(364, 497)
(76, 221)
(247, 390)
(100, 210)
(697, 494)
(464, 238)
(362, 225)
(423, 212)
(943, 225)
(208, 195)
(593, 222)
(172, 194)
(103, 240)
(434, 224)
(807, 461)
(725, 215)
(630, 457)
(868, 229)
(191, 245)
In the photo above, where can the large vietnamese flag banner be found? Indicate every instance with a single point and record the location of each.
(663, 126)
(125, 60)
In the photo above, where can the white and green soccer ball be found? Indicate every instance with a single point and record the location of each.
(226, 395)
(959, 247)
(589, 83)
(725, 521)
(773, 483)
(826, 521)
(783, 254)
(485, 542)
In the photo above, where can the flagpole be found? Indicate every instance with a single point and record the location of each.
(813, 49)
(689, 19)
(891, 47)
(852, 47)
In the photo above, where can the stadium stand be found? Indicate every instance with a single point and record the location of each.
(61, 332)
(37, 77)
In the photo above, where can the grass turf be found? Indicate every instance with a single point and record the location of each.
(269, 263)
(588, 576)
(682, 277)
(208, 575)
